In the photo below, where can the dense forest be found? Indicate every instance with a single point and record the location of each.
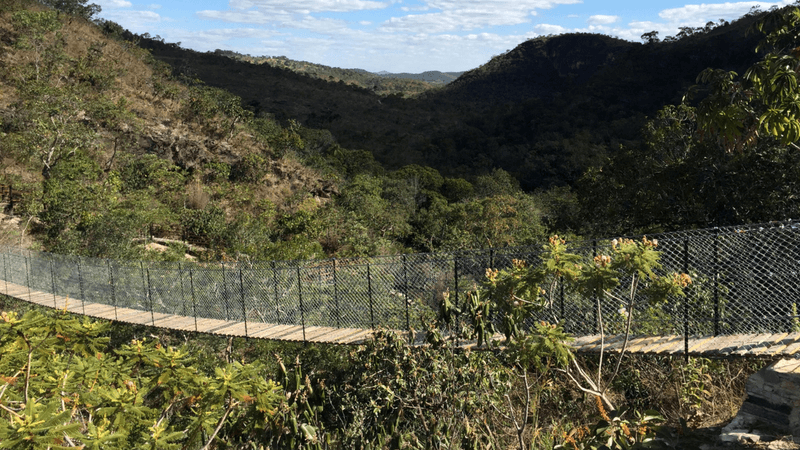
(125, 146)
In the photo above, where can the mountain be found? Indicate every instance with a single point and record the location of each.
(382, 85)
(120, 138)
(540, 68)
(544, 111)
(431, 76)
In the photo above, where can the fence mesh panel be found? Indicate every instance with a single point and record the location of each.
(746, 279)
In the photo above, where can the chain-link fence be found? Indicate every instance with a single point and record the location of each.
(746, 280)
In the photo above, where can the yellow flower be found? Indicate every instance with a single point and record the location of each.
(602, 260)
(600, 407)
(681, 279)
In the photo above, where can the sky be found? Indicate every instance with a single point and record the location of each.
(403, 35)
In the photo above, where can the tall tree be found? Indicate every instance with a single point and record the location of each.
(765, 102)
(77, 8)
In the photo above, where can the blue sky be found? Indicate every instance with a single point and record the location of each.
(403, 35)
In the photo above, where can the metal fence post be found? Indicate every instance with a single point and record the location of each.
(561, 294)
(53, 283)
(28, 278)
(336, 296)
(244, 306)
(183, 293)
(405, 292)
(113, 288)
(369, 292)
(150, 299)
(455, 277)
(300, 297)
(686, 302)
(5, 271)
(716, 282)
(80, 285)
(194, 301)
(225, 292)
(145, 288)
(275, 288)
(594, 310)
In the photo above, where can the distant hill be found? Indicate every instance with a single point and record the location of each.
(431, 76)
(544, 111)
(540, 68)
(389, 84)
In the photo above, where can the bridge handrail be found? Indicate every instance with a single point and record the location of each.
(747, 280)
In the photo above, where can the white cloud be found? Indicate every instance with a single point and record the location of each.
(415, 8)
(307, 6)
(672, 20)
(544, 28)
(421, 35)
(136, 21)
(702, 13)
(249, 17)
(113, 4)
(601, 19)
(209, 40)
(464, 15)
(695, 13)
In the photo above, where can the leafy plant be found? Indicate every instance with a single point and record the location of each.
(614, 432)
(518, 293)
(61, 387)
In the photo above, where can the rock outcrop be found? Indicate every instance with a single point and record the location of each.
(772, 403)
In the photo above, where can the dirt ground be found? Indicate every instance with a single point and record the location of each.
(709, 439)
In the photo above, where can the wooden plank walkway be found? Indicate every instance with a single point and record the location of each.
(282, 332)
(760, 345)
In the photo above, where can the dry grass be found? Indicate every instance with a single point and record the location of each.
(157, 118)
(197, 197)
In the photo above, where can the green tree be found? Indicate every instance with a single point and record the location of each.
(77, 8)
(499, 182)
(71, 197)
(62, 387)
(765, 102)
(37, 32)
(732, 159)
(628, 274)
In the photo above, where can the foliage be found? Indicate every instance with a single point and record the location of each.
(614, 432)
(520, 293)
(63, 387)
(405, 397)
(764, 102)
(77, 8)
(218, 109)
(681, 179)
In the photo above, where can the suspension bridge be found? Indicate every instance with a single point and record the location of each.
(744, 302)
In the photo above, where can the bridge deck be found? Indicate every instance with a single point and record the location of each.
(762, 345)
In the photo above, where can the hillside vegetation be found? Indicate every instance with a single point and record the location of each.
(115, 149)
(544, 111)
(381, 84)
(119, 142)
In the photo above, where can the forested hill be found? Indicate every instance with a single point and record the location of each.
(122, 146)
(539, 68)
(405, 84)
(619, 72)
(544, 111)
